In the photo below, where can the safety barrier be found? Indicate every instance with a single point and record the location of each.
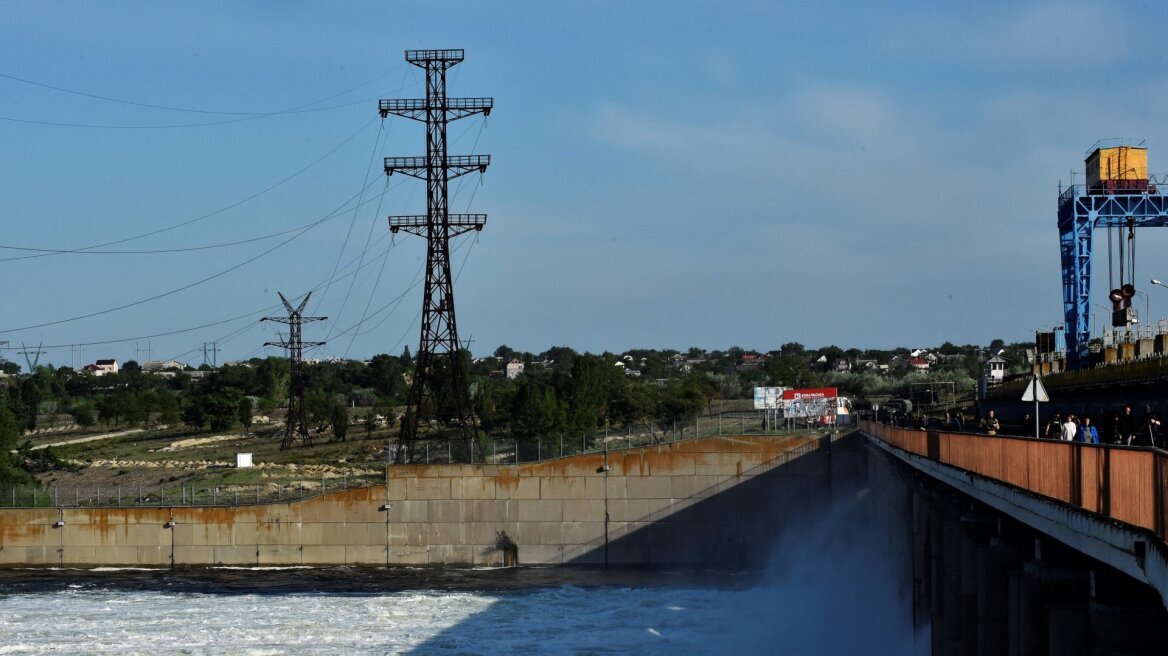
(1126, 484)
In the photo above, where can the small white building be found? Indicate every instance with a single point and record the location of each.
(995, 370)
(102, 367)
(162, 365)
(514, 368)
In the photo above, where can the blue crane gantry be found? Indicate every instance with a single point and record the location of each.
(1081, 209)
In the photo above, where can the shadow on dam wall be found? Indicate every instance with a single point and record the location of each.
(742, 524)
(847, 551)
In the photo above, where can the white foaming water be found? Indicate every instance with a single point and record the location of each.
(566, 620)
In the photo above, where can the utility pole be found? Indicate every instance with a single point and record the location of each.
(296, 423)
(438, 406)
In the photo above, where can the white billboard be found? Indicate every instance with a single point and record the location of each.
(769, 398)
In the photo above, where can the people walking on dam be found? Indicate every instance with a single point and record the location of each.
(1125, 426)
(1054, 429)
(953, 421)
(990, 424)
(1145, 435)
(1070, 428)
(1026, 425)
(1087, 432)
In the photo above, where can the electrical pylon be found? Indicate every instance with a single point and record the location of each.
(438, 407)
(296, 423)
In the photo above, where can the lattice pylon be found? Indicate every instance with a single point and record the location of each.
(296, 423)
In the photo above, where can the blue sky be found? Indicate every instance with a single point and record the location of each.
(664, 174)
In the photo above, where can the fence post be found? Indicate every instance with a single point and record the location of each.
(538, 450)
(34, 498)
(76, 496)
(56, 497)
(119, 495)
(257, 492)
(561, 446)
(516, 450)
(139, 494)
(13, 496)
(629, 437)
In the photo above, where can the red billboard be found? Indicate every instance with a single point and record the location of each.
(817, 403)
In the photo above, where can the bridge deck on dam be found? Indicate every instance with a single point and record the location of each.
(1108, 502)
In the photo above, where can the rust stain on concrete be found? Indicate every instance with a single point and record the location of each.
(506, 481)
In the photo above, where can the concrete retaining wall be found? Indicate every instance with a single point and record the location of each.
(696, 501)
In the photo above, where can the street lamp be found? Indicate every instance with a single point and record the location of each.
(1158, 283)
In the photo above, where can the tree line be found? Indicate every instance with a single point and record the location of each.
(561, 392)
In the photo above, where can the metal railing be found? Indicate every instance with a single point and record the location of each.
(506, 450)
(1127, 484)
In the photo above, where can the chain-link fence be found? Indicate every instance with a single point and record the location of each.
(492, 450)
(31, 496)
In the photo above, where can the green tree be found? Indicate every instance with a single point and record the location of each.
(340, 421)
(82, 413)
(245, 410)
(10, 472)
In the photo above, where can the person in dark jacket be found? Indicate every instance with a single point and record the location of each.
(1054, 429)
(1126, 426)
(1145, 435)
(1026, 426)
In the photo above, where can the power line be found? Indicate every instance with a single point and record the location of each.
(180, 331)
(169, 126)
(135, 103)
(353, 222)
(214, 212)
(187, 286)
(175, 250)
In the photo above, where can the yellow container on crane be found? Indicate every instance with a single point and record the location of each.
(1107, 166)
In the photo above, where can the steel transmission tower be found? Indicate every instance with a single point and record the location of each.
(296, 424)
(438, 407)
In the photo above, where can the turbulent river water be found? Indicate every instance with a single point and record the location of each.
(359, 611)
(834, 585)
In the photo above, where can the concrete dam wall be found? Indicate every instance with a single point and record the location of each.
(715, 500)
